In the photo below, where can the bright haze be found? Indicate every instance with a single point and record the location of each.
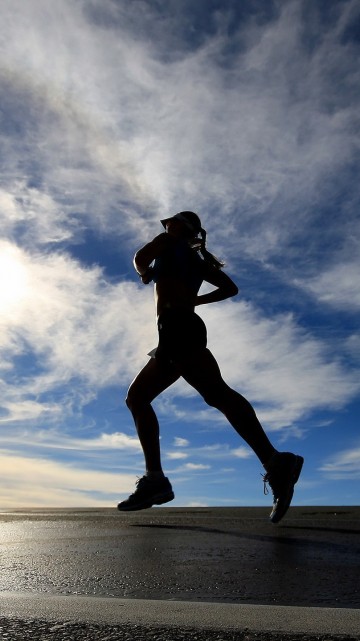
(115, 114)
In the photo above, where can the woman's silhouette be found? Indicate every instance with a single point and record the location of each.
(178, 262)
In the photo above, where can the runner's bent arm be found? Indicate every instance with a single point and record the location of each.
(147, 254)
(225, 287)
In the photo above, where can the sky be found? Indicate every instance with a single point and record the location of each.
(115, 114)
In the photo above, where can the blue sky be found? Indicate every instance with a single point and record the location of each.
(115, 114)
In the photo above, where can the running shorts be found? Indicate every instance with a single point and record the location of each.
(182, 334)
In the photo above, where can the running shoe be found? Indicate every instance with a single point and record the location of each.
(282, 474)
(148, 492)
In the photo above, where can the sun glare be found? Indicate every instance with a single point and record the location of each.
(13, 279)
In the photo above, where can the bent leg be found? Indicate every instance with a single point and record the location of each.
(153, 379)
(204, 375)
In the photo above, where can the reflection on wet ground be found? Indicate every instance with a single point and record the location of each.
(229, 555)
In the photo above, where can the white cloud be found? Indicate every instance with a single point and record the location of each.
(25, 479)
(345, 464)
(106, 126)
(242, 452)
(251, 136)
(73, 323)
(118, 440)
(78, 326)
(45, 219)
(195, 466)
(55, 440)
(26, 410)
(180, 442)
(176, 455)
(214, 453)
(273, 362)
(338, 286)
(266, 125)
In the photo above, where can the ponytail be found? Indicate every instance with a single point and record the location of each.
(207, 256)
(193, 225)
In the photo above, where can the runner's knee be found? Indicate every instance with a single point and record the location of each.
(136, 398)
(132, 398)
(128, 400)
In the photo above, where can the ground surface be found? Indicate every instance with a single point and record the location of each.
(220, 555)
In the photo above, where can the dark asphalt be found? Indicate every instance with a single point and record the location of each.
(229, 555)
(198, 555)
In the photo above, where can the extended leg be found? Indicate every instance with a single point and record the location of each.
(204, 375)
(282, 468)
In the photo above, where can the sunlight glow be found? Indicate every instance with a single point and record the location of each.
(13, 279)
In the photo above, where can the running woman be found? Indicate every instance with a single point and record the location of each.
(178, 262)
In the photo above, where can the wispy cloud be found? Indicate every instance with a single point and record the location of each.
(338, 286)
(180, 441)
(344, 465)
(269, 129)
(116, 112)
(193, 467)
(66, 485)
(176, 455)
(209, 453)
(275, 362)
(75, 326)
(53, 440)
(242, 452)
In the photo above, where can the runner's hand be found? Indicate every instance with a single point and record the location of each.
(147, 277)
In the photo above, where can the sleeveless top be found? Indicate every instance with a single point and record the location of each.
(180, 262)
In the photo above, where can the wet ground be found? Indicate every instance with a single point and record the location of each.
(224, 555)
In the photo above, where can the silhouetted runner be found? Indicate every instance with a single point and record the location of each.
(178, 262)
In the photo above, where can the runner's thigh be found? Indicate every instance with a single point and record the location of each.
(153, 379)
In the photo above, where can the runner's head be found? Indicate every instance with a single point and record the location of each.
(192, 228)
(191, 221)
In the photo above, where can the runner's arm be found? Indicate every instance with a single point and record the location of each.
(225, 287)
(147, 254)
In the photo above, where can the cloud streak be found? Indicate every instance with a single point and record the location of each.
(114, 113)
(345, 464)
(67, 486)
(269, 129)
(73, 324)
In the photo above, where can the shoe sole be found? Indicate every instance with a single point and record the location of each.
(158, 499)
(295, 474)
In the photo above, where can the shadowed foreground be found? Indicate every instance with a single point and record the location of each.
(219, 555)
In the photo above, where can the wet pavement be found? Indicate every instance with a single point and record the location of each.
(220, 555)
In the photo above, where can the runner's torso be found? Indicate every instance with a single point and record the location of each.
(178, 274)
